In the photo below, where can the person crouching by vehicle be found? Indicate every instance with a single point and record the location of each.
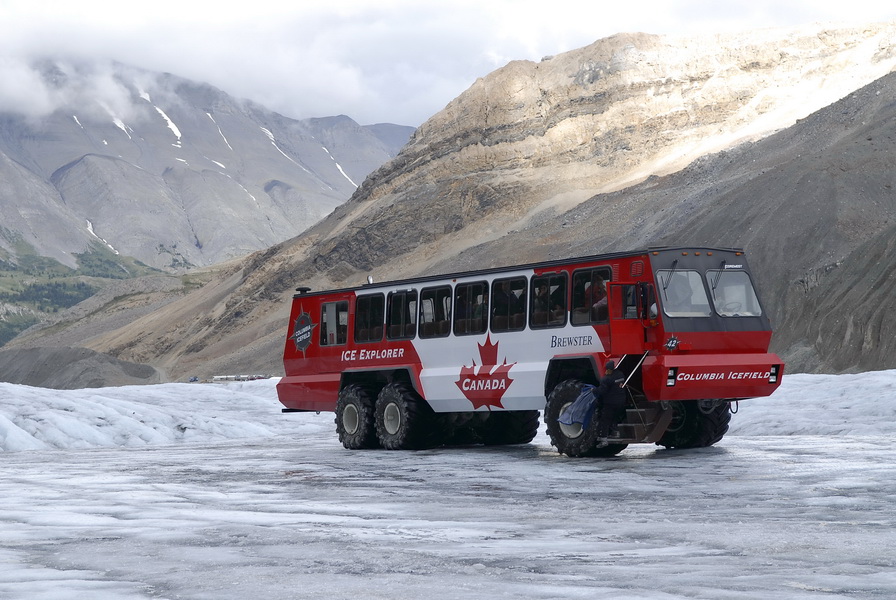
(611, 397)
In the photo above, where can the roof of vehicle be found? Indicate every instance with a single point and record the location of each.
(305, 291)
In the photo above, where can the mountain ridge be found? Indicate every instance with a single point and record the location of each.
(148, 160)
(572, 156)
(118, 172)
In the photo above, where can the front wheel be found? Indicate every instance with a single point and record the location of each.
(571, 440)
(696, 424)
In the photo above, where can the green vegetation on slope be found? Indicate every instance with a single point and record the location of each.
(32, 286)
(49, 296)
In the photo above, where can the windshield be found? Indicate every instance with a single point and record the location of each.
(732, 294)
(683, 294)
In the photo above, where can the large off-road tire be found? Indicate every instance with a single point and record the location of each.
(355, 417)
(463, 429)
(404, 421)
(571, 440)
(511, 427)
(608, 450)
(696, 427)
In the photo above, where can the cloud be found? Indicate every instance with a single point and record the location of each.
(23, 90)
(375, 60)
(36, 88)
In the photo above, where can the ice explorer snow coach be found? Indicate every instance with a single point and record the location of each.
(473, 357)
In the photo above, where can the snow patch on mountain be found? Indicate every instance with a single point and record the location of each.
(93, 233)
(219, 130)
(171, 126)
(338, 166)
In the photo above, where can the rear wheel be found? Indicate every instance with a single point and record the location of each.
(404, 421)
(355, 417)
(696, 424)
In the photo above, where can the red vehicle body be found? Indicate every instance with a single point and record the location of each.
(474, 357)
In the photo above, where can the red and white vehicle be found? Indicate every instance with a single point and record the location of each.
(473, 357)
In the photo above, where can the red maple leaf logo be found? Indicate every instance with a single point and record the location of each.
(485, 385)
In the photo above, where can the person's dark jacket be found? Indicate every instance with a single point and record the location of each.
(610, 390)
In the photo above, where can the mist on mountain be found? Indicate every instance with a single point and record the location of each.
(102, 157)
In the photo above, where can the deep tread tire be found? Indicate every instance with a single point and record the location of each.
(404, 421)
(355, 417)
(511, 427)
(464, 431)
(694, 428)
(608, 451)
(567, 440)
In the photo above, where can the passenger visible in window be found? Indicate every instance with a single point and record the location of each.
(596, 298)
(596, 293)
(505, 301)
(460, 307)
(481, 309)
(542, 301)
(546, 302)
(558, 303)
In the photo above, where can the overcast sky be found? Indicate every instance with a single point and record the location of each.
(397, 61)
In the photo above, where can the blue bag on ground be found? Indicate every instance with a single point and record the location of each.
(582, 409)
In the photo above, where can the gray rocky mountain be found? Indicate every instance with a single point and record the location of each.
(171, 172)
(72, 368)
(778, 141)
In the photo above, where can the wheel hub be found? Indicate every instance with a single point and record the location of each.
(392, 418)
(351, 420)
(571, 431)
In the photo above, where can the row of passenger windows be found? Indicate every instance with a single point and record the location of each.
(469, 308)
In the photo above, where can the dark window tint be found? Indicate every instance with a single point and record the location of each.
(401, 320)
(508, 304)
(435, 312)
(548, 301)
(369, 313)
(470, 308)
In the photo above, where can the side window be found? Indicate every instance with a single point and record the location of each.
(508, 304)
(369, 313)
(333, 323)
(589, 296)
(435, 312)
(401, 322)
(548, 301)
(470, 308)
(625, 301)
